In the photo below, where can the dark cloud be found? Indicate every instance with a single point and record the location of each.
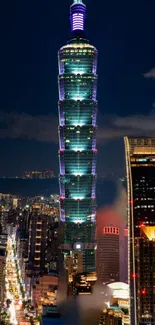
(40, 128)
(150, 74)
(135, 125)
(45, 128)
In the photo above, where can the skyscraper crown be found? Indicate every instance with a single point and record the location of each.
(77, 15)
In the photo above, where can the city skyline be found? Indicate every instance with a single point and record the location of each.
(125, 93)
(95, 241)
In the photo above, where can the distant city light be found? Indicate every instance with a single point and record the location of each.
(120, 290)
(78, 246)
(133, 275)
(77, 72)
(78, 149)
(78, 98)
(78, 174)
(78, 197)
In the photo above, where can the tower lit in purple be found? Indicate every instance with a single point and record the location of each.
(77, 82)
(77, 15)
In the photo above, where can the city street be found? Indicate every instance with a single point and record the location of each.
(14, 296)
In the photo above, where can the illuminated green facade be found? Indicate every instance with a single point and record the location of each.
(77, 138)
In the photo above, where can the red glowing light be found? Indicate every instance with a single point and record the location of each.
(111, 230)
(131, 202)
(133, 275)
(142, 225)
(126, 232)
(61, 197)
(143, 292)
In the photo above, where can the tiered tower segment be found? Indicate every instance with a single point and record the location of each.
(77, 138)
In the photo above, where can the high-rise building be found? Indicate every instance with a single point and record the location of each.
(44, 291)
(83, 283)
(107, 255)
(125, 265)
(123, 252)
(43, 243)
(146, 275)
(22, 222)
(77, 139)
(2, 220)
(116, 311)
(140, 163)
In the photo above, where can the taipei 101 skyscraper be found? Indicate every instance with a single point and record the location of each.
(77, 143)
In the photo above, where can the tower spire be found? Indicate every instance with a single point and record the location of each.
(77, 15)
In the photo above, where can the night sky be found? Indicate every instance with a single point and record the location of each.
(31, 34)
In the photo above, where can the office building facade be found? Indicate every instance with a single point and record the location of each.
(107, 255)
(43, 243)
(77, 82)
(83, 283)
(123, 253)
(140, 164)
(146, 275)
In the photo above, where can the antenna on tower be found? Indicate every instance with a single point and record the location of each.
(77, 1)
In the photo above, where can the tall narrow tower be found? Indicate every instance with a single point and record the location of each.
(140, 166)
(77, 139)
